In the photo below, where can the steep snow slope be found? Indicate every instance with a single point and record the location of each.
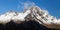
(33, 13)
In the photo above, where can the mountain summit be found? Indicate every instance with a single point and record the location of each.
(33, 13)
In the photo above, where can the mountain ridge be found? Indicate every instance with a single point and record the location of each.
(33, 13)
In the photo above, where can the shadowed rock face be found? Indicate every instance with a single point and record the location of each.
(30, 25)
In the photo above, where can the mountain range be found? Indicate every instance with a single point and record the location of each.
(33, 13)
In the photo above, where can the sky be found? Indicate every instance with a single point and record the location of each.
(52, 6)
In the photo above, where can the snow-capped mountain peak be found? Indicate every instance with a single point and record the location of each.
(33, 13)
(42, 16)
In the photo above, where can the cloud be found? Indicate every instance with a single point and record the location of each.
(25, 5)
